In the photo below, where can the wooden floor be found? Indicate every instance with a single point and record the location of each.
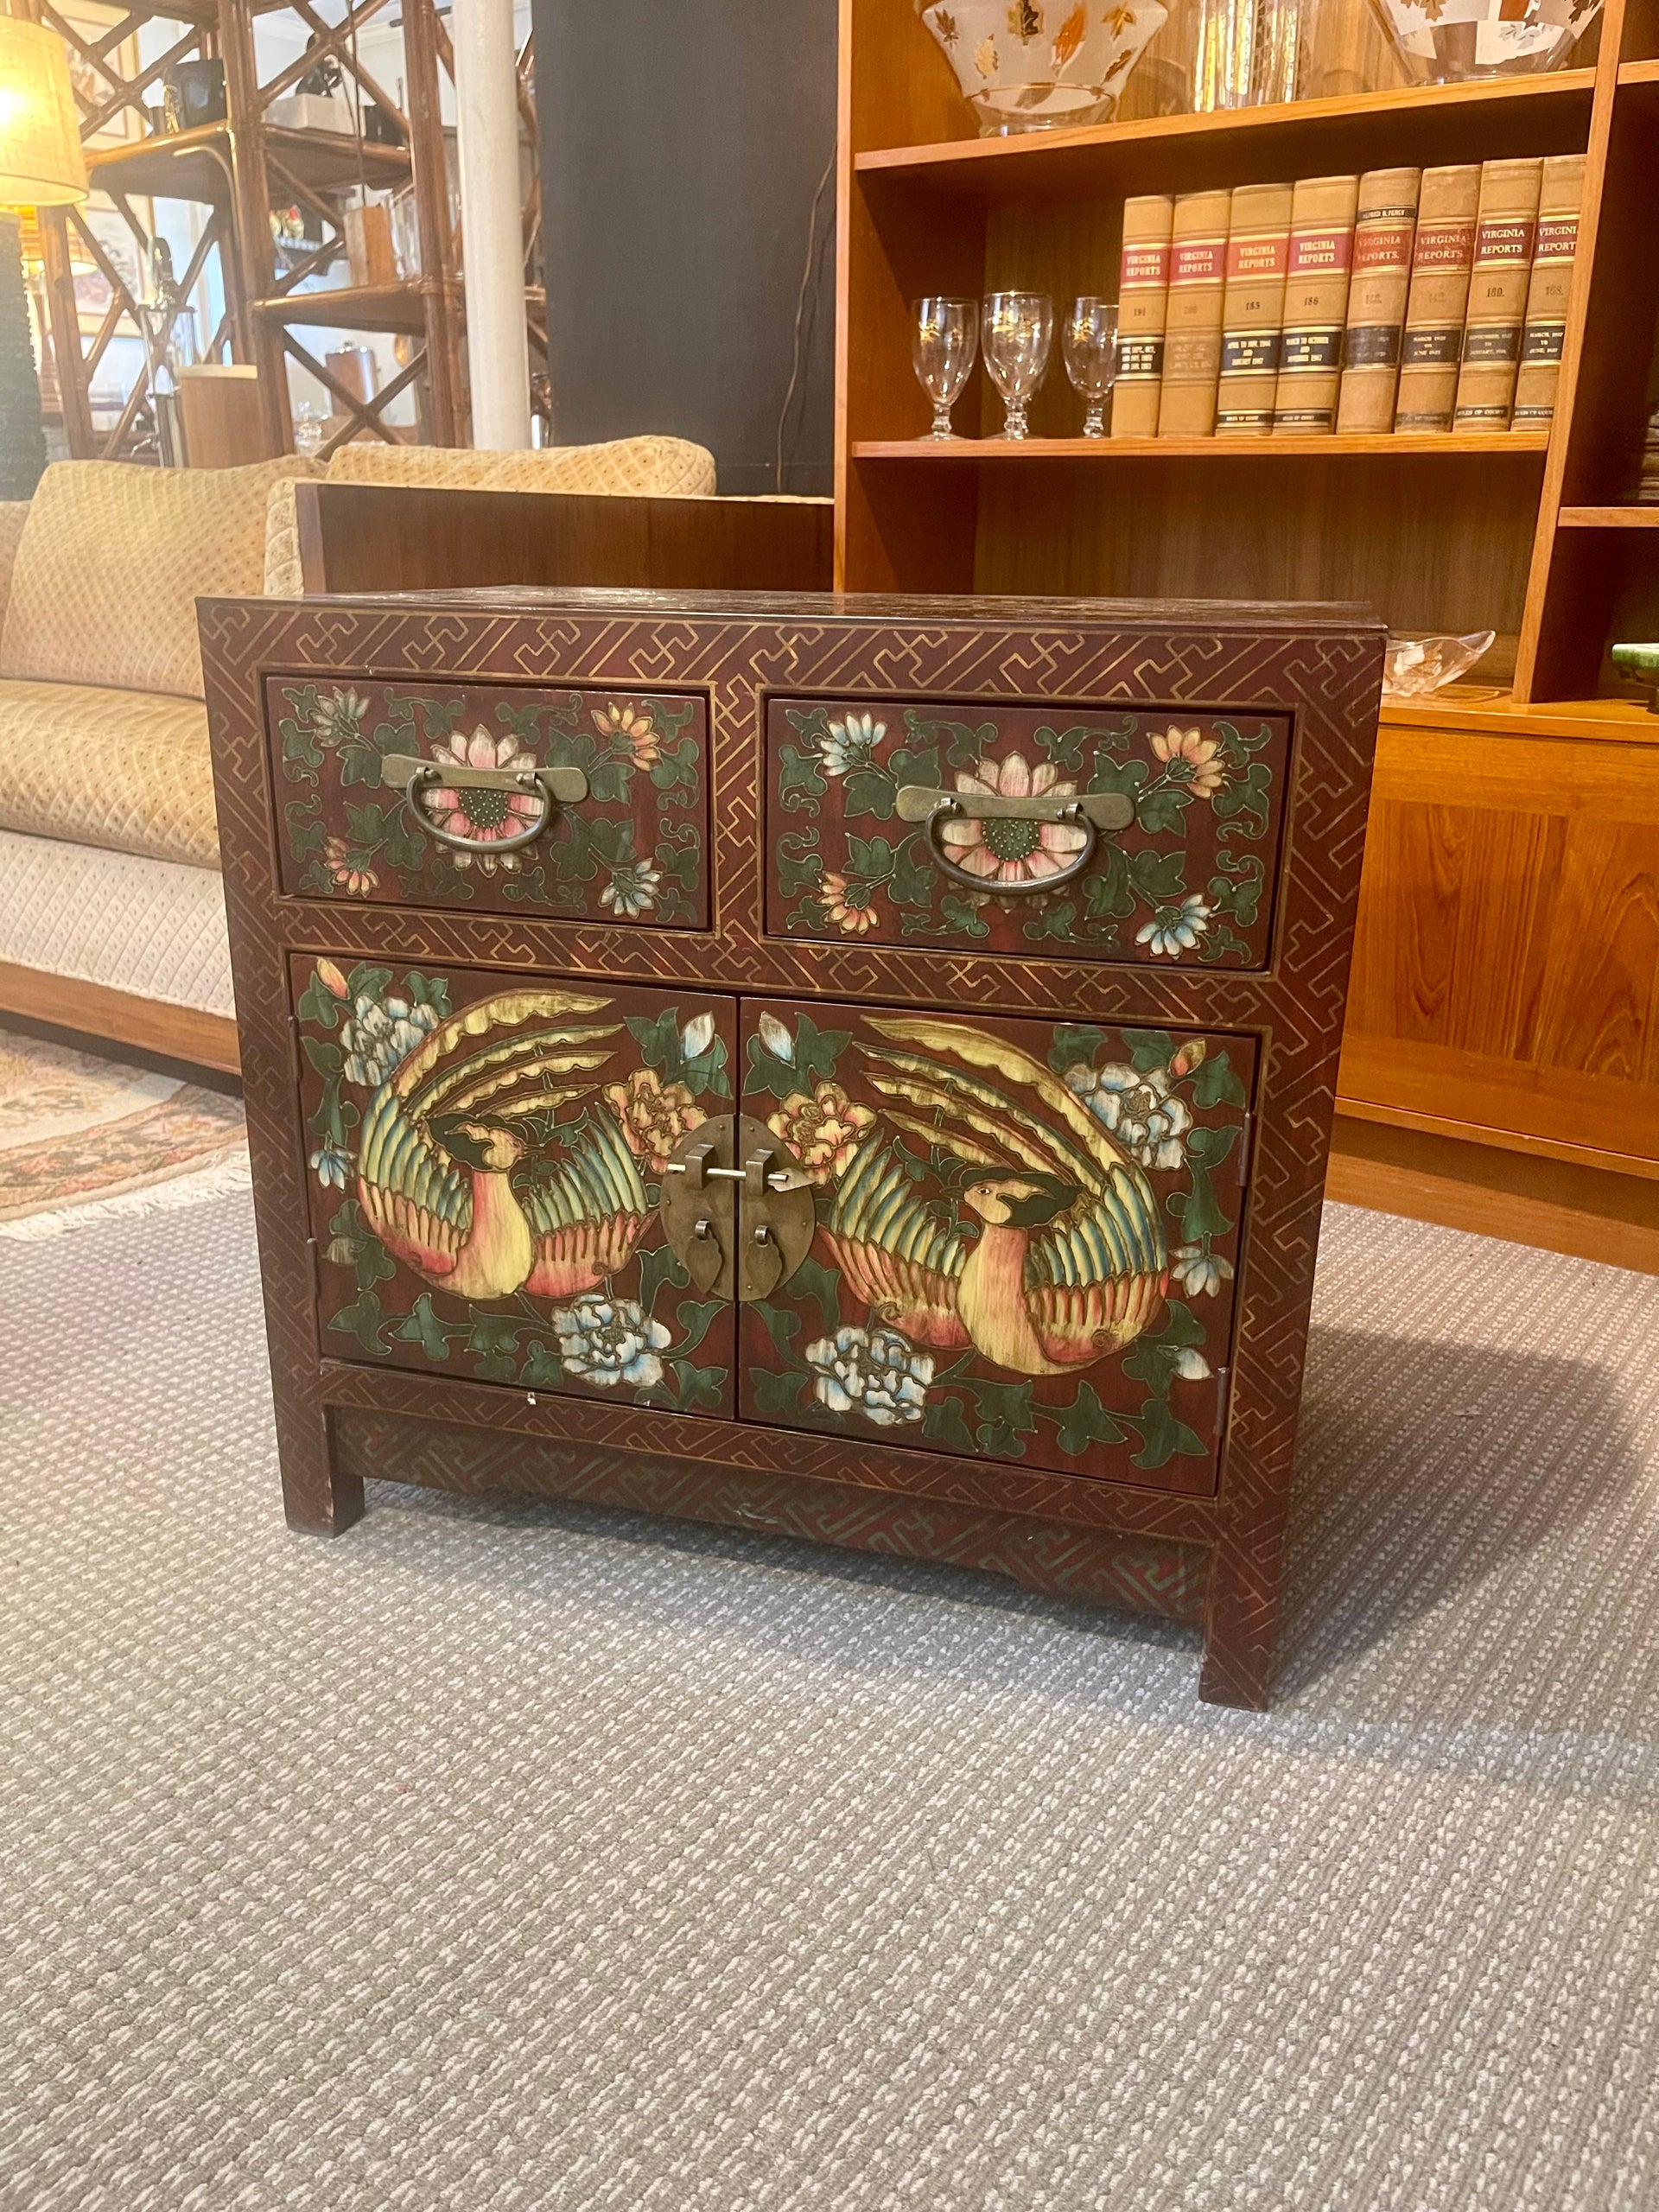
(1588, 1211)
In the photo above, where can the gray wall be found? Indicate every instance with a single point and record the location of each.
(682, 144)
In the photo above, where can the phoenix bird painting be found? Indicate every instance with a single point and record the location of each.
(467, 1177)
(1063, 1261)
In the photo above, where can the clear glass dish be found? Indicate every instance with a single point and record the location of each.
(1421, 661)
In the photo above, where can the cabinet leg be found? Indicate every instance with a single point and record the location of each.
(1240, 1625)
(317, 1499)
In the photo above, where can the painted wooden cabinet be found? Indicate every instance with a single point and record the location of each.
(860, 1068)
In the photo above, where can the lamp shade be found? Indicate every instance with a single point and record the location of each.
(41, 164)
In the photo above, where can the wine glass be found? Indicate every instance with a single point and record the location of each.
(1016, 330)
(943, 345)
(1089, 340)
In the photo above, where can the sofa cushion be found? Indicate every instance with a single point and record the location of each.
(648, 468)
(128, 770)
(113, 559)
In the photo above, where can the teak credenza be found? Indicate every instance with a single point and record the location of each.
(857, 1068)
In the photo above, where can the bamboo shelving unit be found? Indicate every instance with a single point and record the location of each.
(239, 169)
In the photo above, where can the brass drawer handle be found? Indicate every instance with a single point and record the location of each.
(1093, 812)
(555, 787)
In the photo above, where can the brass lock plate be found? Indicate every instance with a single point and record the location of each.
(737, 1209)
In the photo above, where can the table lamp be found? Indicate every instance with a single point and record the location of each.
(41, 165)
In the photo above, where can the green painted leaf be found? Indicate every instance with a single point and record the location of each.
(303, 825)
(1160, 878)
(869, 859)
(1086, 1422)
(812, 1059)
(783, 1326)
(494, 1344)
(525, 722)
(1216, 1085)
(1209, 1145)
(1162, 812)
(914, 879)
(1050, 921)
(1149, 1048)
(1163, 1437)
(659, 1270)
(543, 1368)
(363, 1320)
(812, 1279)
(698, 1386)
(438, 716)
(425, 990)
(359, 762)
(1005, 1416)
(1196, 1209)
(961, 916)
(609, 783)
(1064, 746)
(318, 1003)
(695, 1317)
(964, 742)
(870, 791)
(1124, 778)
(328, 1059)
(676, 767)
(1073, 1042)
(800, 780)
(946, 1423)
(775, 1394)
(1106, 887)
(916, 765)
(365, 982)
(1245, 799)
(405, 849)
(421, 1326)
(799, 863)
(1155, 1358)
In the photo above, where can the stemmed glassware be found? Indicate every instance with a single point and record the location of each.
(1016, 331)
(942, 345)
(1089, 341)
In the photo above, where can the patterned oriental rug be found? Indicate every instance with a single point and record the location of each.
(82, 1138)
(517, 1858)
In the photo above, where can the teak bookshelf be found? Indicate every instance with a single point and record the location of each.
(1439, 533)
(1505, 975)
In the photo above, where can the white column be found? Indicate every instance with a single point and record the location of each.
(487, 113)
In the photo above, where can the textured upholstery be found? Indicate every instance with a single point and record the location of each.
(648, 468)
(127, 770)
(14, 513)
(283, 577)
(112, 560)
(151, 927)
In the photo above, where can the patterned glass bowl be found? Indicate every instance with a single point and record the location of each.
(1417, 663)
(1042, 64)
(1455, 42)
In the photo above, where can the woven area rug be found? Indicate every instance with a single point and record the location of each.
(83, 1137)
(535, 1857)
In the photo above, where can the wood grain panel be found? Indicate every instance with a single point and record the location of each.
(1602, 995)
(177, 1032)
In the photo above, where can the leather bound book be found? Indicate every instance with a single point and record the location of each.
(1383, 231)
(1498, 281)
(1316, 306)
(1253, 304)
(1548, 291)
(1440, 259)
(1143, 302)
(1198, 268)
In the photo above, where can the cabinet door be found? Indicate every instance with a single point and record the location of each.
(589, 804)
(485, 1156)
(1026, 1237)
(1108, 833)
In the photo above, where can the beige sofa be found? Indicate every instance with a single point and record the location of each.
(111, 918)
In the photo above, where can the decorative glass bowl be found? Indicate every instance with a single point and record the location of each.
(1418, 663)
(1042, 64)
(1454, 42)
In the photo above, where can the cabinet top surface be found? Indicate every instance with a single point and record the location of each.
(875, 608)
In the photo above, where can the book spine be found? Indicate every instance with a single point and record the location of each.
(1384, 228)
(1440, 259)
(1258, 248)
(1316, 306)
(1197, 272)
(1550, 291)
(1142, 305)
(1498, 280)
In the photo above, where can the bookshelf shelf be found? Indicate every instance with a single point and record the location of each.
(1426, 122)
(1510, 445)
(1608, 519)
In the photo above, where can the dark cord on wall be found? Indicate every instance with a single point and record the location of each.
(806, 310)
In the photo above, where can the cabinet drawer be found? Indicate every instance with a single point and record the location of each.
(585, 803)
(1118, 833)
